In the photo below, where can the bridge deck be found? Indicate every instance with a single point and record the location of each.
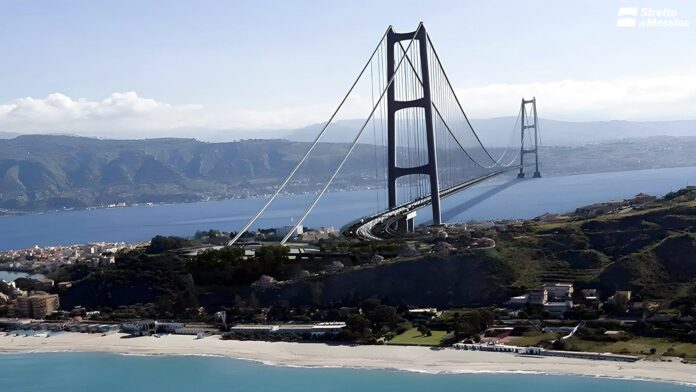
(378, 226)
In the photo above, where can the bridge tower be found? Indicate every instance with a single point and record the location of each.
(529, 132)
(393, 106)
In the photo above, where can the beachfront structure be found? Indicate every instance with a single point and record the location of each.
(501, 348)
(139, 327)
(38, 305)
(168, 327)
(543, 352)
(304, 330)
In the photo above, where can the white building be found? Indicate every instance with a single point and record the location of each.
(559, 291)
(283, 231)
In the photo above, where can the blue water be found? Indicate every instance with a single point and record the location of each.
(496, 199)
(106, 373)
(10, 276)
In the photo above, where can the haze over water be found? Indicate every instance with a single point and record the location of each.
(502, 198)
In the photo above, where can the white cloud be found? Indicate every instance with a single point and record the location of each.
(127, 115)
(130, 115)
(58, 112)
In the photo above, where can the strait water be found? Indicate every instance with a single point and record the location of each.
(496, 199)
(118, 373)
(10, 276)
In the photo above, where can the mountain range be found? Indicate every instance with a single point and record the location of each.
(40, 172)
(497, 131)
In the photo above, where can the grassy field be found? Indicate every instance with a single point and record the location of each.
(532, 340)
(637, 346)
(413, 337)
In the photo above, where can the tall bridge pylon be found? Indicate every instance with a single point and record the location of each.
(529, 135)
(423, 102)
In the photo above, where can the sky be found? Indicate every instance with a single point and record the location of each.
(160, 68)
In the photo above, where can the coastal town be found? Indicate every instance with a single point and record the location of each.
(558, 318)
(39, 316)
(38, 259)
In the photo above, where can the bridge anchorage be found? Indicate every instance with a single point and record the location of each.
(424, 145)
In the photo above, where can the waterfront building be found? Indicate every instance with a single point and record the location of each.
(37, 306)
(139, 327)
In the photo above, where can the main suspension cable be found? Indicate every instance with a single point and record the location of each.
(352, 147)
(311, 148)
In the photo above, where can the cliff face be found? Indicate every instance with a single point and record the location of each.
(137, 279)
(428, 281)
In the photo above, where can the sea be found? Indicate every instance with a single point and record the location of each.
(500, 198)
(112, 372)
(10, 276)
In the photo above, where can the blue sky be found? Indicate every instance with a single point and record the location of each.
(287, 63)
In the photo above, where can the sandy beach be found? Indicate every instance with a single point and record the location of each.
(421, 359)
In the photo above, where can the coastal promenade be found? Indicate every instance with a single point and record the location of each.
(419, 359)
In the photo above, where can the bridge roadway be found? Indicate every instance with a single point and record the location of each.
(380, 226)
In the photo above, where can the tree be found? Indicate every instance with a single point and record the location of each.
(424, 331)
(161, 244)
(384, 315)
(272, 256)
(358, 328)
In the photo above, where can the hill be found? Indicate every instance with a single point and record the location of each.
(649, 251)
(496, 131)
(52, 172)
(39, 172)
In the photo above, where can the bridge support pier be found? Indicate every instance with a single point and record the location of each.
(529, 131)
(407, 224)
(393, 106)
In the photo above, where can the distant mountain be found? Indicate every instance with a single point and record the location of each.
(49, 172)
(498, 131)
(40, 172)
(494, 132)
(8, 135)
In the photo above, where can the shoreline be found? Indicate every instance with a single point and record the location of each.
(320, 355)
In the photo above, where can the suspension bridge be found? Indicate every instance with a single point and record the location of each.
(425, 147)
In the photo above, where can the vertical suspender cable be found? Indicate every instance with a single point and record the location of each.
(311, 148)
(350, 150)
